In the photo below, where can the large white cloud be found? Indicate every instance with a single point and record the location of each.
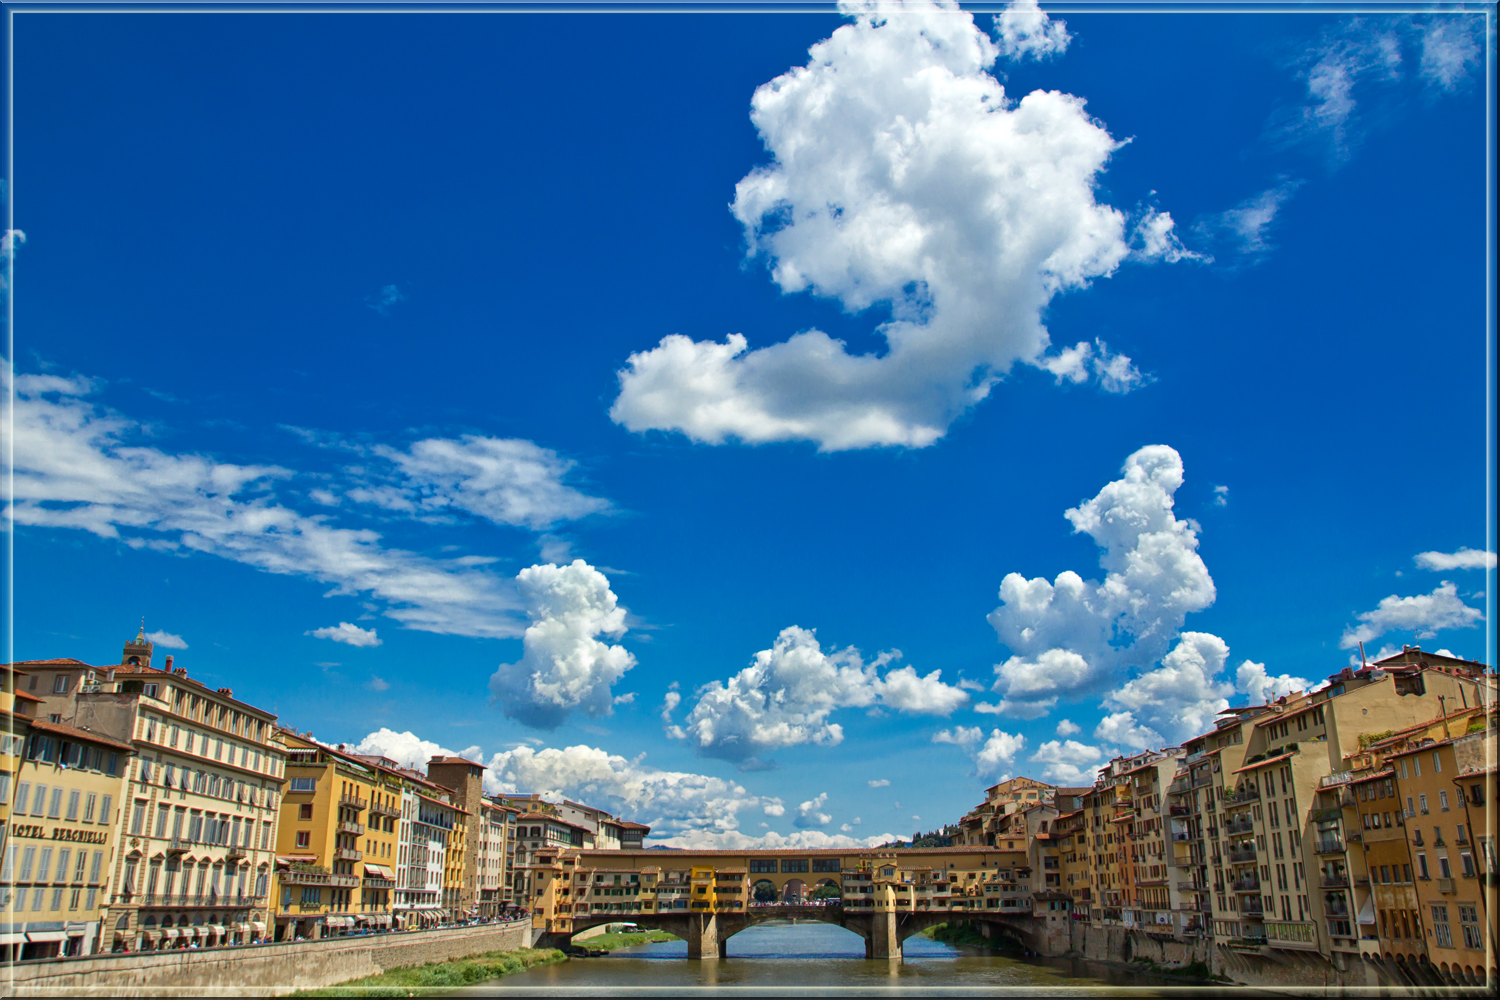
(563, 667)
(1464, 558)
(902, 176)
(1073, 636)
(785, 697)
(1424, 614)
(77, 466)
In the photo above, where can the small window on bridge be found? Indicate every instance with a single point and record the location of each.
(763, 865)
(794, 865)
(825, 864)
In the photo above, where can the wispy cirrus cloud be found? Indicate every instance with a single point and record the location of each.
(83, 466)
(1355, 75)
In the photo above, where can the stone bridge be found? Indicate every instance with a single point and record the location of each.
(885, 933)
(706, 897)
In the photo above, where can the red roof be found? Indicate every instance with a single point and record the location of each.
(79, 734)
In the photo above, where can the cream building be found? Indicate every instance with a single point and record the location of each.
(199, 807)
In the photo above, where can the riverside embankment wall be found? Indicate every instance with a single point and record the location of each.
(256, 970)
(1273, 969)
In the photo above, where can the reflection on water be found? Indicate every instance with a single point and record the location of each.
(814, 959)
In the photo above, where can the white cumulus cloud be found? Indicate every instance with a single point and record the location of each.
(902, 177)
(349, 635)
(786, 695)
(879, 783)
(991, 755)
(406, 749)
(1066, 728)
(1179, 698)
(1023, 31)
(1071, 636)
(1252, 679)
(563, 667)
(1424, 614)
(1068, 762)
(810, 813)
(167, 640)
(1465, 558)
(1121, 727)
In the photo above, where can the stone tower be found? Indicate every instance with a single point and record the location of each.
(466, 780)
(138, 650)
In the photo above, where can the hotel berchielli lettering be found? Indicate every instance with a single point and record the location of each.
(61, 833)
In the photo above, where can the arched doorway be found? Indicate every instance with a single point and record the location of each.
(826, 892)
(794, 892)
(764, 893)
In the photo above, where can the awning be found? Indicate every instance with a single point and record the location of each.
(39, 936)
(375, 871)
(1367, 912)
(260, 927)
(217, 929)
(77, 927)
(12, 938)
(200, 932)
(288, 859)
(340, 921)
(148, 934)
(172, 933)
(241, 928)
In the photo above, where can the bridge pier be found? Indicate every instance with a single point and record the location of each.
(703, 937)
(883, 941)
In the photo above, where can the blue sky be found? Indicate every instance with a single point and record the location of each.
(339, 339)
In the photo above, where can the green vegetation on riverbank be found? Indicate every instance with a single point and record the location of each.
(420, 979)
(967, 935)
(610, 942)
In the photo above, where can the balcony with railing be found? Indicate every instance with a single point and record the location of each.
(348, 854)
(349, 826)
(384, 809)
(1329, 845)
(318, 878)
(1243, 854)
(179, 845)
(1338, 880)
(1245, 796)
(1245, 885)
(351, 800)
(1240, 824)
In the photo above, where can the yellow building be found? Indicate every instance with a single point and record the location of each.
(68, 785)
(1450, 864)
(336, 842)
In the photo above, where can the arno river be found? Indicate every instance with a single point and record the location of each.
(814, 959)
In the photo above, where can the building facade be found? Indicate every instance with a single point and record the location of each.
(200, 804)
(67, 787)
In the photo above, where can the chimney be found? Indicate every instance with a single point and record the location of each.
(227, 692)
(169, 663)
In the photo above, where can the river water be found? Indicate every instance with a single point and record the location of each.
(817, 959)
